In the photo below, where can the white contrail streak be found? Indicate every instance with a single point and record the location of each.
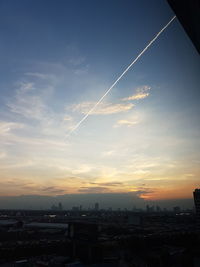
(119, 78)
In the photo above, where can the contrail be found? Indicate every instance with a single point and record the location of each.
(119, 78)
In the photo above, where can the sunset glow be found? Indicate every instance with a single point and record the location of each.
(142, 138)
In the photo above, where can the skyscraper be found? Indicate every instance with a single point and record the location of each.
(60, 206)
(196, 195)
(96, 206)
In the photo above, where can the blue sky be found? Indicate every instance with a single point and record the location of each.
(57, 59)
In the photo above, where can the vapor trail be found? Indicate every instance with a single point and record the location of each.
(119, 78)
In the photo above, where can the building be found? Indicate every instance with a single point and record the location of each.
(84, 238)
(96, 206)
(158, 209)
(60, 207)
(196, 195)
(41, 225)
(177, 209)
(57, 208)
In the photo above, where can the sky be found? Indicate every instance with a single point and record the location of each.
(57, 59)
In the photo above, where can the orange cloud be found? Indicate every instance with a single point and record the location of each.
(141, 92)
(102, 108)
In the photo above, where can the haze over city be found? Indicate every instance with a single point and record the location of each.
(140, 144)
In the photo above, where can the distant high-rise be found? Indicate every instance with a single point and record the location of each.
(149, 208)
(55, 207)
(196, 195)
(158, 209)
(96, 206)
(177, 209)
(60, 206)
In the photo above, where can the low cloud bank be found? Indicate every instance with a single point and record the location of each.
(105, 200)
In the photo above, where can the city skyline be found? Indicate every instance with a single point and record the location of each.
(57, 60)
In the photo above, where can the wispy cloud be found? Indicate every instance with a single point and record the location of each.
(107, 184)
(141, 93)
(94, 190)
(144, 193)
(25, 87)
(31, 102)
(82, 168)
(103, 108)
(26, 103)
(68, 118)
(39, 75)
(108, 153)
(7, 127)
(53, 189)
(76, 61)
(128, 123)
(30, 186)
(81, 70)
(3, 155)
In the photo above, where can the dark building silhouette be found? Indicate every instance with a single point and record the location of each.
(196, 195)
(56, 208)
(60, 207)
(96, 206)
(177, 209)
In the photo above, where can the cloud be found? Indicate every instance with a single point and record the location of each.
(92, 190)
(30, 186)
(68, 118)
(76, 61)
(26, 103)
(141, 93)
(33, 125)
(82, 168)
(81, 71)
(31, 102)
(127, 123)
(3, 155)
(39, 75)
(108, 153)
(25, 87)
(144, 193)
(105, 200)
(108, 184)
(53, 189)
(6, 127)
(18, 164)
(102, 108)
